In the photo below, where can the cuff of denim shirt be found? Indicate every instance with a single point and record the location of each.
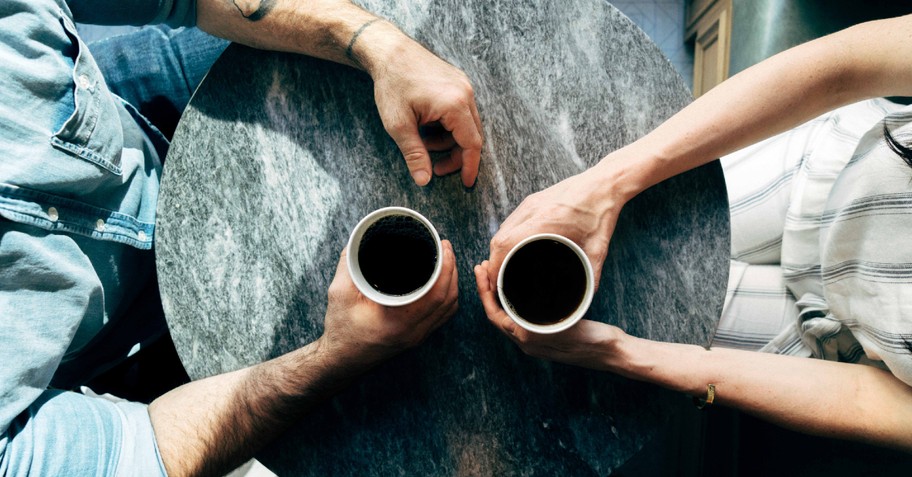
(66, 433)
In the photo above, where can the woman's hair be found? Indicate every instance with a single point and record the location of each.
(905, 152)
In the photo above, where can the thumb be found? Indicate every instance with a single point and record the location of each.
(406, 135)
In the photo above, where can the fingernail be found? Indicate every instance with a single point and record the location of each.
(421, 177)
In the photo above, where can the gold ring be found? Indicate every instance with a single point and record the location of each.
(710, 396)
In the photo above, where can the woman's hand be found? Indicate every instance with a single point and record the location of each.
(583, 208)
(589, 344)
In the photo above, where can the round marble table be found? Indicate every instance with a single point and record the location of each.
(279, 155)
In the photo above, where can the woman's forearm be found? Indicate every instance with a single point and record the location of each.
(865, 61)
(849, 401)
(842, 400)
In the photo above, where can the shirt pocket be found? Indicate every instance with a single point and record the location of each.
(92, 131)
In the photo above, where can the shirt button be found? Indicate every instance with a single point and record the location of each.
(52, 214)
(141, 236)
(99, 225)
(84, 81)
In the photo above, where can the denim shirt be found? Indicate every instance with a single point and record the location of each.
(63, 135)
(73, 158)
(78, 161)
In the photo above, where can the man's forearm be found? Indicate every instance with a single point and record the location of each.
(849, 401)
(211, 426)
(335, 30)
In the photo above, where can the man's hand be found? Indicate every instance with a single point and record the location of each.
(360, 332)
(426, 105)
(589, 344)
(416, 92)
(580, 208)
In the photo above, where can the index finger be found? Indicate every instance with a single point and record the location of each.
(404, 132)
(467, 133)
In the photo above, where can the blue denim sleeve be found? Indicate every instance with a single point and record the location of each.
(174, 13)
(65, 433)
(64, 295)
(51, 301)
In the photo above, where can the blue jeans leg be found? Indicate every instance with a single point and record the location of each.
(157, 69)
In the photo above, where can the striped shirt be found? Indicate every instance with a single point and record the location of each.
(821, 217)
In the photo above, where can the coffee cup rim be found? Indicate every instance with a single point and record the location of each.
(584, 303)
(354, 271)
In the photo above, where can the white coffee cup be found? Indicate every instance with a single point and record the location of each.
(577, 313)
(354, 266)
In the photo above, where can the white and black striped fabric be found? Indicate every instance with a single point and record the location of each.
(821, 229)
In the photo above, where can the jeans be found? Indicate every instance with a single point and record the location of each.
(156, 69)
(74, 305)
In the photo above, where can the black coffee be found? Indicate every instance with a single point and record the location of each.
(397, 255)
(544, 282)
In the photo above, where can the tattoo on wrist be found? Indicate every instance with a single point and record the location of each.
(254, 10)
(351, 44)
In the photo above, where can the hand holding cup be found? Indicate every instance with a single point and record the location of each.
(546, 283)
(361, 331)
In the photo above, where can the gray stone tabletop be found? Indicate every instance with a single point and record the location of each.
(279, 156)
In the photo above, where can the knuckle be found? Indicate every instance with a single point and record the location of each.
(476, 141)
(414, 158)
(532, 199)
(469, 89)
(500, 242)
(335, 291)
(463, 78)
(526, 202)
(457, 99)
(397, 127)
(437, 300)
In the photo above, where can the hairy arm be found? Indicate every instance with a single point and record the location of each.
(211, 426)
(320, 28)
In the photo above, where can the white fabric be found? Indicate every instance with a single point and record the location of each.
(821, 220)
